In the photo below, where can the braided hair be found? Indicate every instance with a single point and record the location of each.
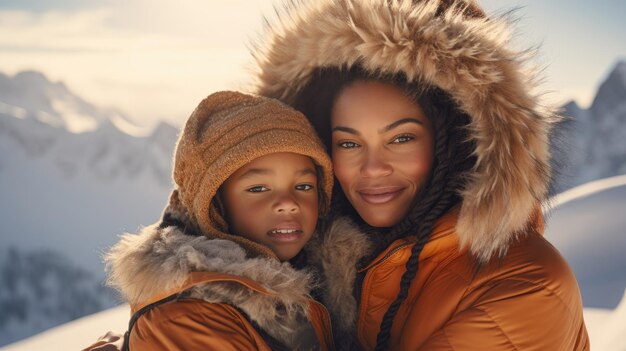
(453, 158)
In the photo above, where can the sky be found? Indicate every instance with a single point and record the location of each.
(156, 59)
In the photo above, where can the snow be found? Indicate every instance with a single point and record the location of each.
(77, 121)
(14, 111)
(77, 334)
(76, 202)
(610, 328)
(587, 227)
(587, 189)
(52, 103)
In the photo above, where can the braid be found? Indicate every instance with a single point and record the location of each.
(412, 267)
(453, 159)
(428, 210)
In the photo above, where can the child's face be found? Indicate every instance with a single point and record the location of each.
(273, 201)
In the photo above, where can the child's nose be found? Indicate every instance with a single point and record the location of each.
(286, 204)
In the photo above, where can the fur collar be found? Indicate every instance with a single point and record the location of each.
(468, 57)
(158, 261)
(336, 253)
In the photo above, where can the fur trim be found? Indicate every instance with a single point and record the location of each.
(467, 57)
(337, 253)
(157, 261)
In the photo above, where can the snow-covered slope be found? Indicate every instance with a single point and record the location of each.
(588, 226)
(77, 334)
(66, 196)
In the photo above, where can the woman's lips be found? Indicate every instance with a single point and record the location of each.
(380, 195)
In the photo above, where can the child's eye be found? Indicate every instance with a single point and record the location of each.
(401, 139)
(304, 187)
(348, 145)
(257, 189)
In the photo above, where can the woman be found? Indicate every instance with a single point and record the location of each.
(440, 148)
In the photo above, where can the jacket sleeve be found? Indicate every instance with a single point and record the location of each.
(515, 315)
(194, 325)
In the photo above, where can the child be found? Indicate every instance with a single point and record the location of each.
(250, 176)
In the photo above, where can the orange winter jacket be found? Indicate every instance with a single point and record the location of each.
(194, 324)
(198, 293)
(527, 300)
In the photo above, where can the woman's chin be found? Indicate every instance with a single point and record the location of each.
(381, 219)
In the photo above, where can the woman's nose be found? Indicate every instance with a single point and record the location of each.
(374, 165)
(286, 204)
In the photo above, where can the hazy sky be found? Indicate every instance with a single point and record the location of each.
(156, 59)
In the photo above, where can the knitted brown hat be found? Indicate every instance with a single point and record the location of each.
(225, 132)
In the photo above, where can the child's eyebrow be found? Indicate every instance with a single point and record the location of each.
(265, 171)
(307, 171)
(254, 172)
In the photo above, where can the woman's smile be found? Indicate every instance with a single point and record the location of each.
(380, 195)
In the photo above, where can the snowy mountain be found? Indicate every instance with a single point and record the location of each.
(66, 196)
(595, 139)
(30, 94)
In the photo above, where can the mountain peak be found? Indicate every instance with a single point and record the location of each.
(164, 130)
(612, 91)
(620, 68)
(32, 77)
(54, 104)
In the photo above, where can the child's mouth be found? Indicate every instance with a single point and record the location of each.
(283, 231)
(285, 234)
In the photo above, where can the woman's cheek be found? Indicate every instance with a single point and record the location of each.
(344, 170)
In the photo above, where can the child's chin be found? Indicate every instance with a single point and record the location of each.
(286, 256)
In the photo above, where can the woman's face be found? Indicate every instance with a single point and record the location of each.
(382, 150)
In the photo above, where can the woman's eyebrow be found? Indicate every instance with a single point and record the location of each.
(400, 122)
(382, 130)
(346, 129)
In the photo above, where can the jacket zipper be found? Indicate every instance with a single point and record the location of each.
(367, 273)
(389, 254)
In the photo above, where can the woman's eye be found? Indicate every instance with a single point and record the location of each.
(304, 187)
(402, 139)
(257, 189)
(348, 145)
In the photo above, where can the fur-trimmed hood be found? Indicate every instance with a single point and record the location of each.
(447, 44)
(157, 262)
